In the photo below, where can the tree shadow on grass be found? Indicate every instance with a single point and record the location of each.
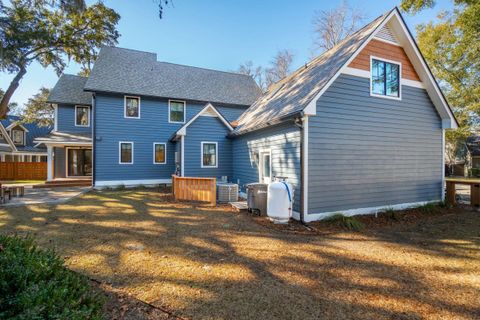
(213, 263)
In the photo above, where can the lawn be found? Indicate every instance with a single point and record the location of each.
(213, 263)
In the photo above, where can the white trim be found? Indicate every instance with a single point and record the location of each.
(120, 152)
(64, 143)
(182, 156)
(88, 116)
(111, 183)
(365, 74)
(261, 153)
(7, 137)
(201, 154)
(55, 117)
(184, 110)
(305, 165)
(387, 41)
(208, 107)
(49, 163)
(385, 96)
(369, 210)
(125, 107)
(443, 165)
(165, 153)
(413, 83)
(66, 160)
(15, 124)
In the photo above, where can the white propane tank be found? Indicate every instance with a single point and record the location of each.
(279, 201)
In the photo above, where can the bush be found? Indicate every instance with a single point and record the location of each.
(428, 208)
(350, 223)
(392, 214)
(34, 284)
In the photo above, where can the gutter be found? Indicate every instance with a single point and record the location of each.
(280, 120)
(300, 124)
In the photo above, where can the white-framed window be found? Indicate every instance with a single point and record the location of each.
(125, 152)
(209, 152)
(82, 116)
(18, 136)
(385, 78)
(177, 110)
(132, 107)
(159, 153)
(265, 166)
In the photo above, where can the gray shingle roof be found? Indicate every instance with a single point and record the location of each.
(69, 90)
(139, 73)
(292, 94)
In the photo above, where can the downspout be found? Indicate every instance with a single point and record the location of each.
(94, 111)
(300, 123)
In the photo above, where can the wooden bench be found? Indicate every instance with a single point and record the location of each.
(474, 190)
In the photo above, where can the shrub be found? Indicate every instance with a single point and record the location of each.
(34, 284)
(350, 223)
(428, 208)
(392, 214)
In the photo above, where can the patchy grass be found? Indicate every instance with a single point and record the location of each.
(349, 223)
(213, 263)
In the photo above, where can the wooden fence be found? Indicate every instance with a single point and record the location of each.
(195, 189)
(23, 170)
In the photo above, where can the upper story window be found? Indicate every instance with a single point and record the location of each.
(125, 152)
(18, 136)
(176, 111)
(209, 155)
(82, 116)
(385, 79)
(159, 153)
(132, 107)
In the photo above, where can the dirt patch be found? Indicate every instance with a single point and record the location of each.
(212, 263)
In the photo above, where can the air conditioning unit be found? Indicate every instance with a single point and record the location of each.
(227, 192)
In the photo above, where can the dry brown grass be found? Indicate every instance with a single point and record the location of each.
(209, 263)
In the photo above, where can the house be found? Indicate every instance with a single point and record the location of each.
(17, 141)
(358, 129)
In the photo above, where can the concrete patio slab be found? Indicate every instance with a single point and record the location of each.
(45, 195)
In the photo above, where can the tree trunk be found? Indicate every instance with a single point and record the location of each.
(9, 93)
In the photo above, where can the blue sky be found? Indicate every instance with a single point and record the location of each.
(217, 34)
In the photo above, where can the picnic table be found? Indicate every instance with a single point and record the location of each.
(474, 190)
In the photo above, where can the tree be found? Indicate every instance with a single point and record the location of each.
(13, 107)
(451, 47)
(332, 26)
(38, 110)
(51, 32)
(278, 69)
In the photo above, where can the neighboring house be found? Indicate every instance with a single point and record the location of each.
(17, 141)
(357, 129)
(473, 156)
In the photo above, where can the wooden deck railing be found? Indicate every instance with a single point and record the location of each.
(23, 170)
(195, 189)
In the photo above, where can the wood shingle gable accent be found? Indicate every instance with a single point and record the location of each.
(388, 51)
(386, 34)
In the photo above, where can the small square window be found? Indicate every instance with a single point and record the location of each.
(126, 152)
(385, 79)
(17, 136)
(176, 111)
(159, 153)
(132, 107)
(209, 155)
(82, 116)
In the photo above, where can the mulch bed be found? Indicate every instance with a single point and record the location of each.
(382, 220)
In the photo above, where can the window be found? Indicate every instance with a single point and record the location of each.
(17, 136)
(209, 155)
(159, 153)
(126, 152)
(132, 107)
(82, 116)
(385, 79)
(176, 111)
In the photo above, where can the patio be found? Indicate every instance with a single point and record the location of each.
(45, 196)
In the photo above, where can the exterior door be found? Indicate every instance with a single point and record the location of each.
(79, 162)
(265, 167)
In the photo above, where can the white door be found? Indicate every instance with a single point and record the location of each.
(265, 167)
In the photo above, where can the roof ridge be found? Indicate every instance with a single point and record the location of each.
(208, 69)
(123, 48)
(74, 75)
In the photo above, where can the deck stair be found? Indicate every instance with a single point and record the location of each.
(62, 183)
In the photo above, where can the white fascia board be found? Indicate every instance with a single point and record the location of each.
(209, 107)
(6, 136)
(14, 124)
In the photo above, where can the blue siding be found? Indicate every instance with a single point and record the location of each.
(284, 143)
(207, 129)
(59, 162)
(153, 126)
(367, 152)
(66, 119)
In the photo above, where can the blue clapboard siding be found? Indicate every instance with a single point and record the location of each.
(66, 120)
(366, 151)
(153, 126)
(284, 143)
(59, 162)
(207, 129)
